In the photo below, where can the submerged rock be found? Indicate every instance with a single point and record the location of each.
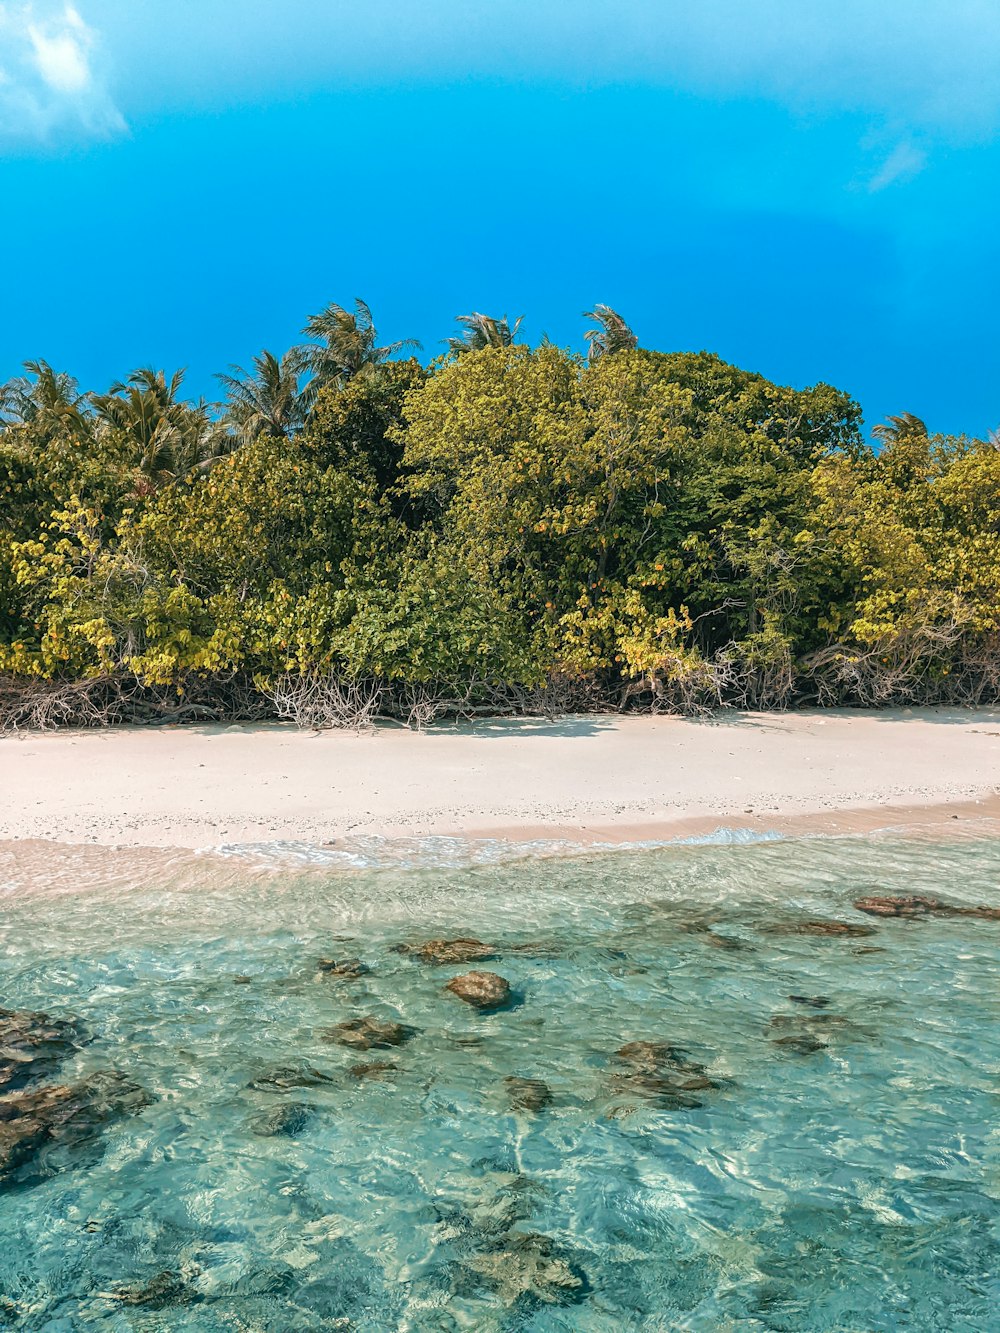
(464, 950)
(34, 1119)
(166, 1288)
(375, 1069)
(242, 980)
(346, 969)
(802, 1043)
(288, 1076)
(32, 1046)
(728, 942)
(284, 1121)
(662, 1073)
(543, 949)
(483, 990)
(917, 906)
(850, 929)
(900, 906)
(527, 1267)
(528, 1094)
(365, 1033)
(804, 1034)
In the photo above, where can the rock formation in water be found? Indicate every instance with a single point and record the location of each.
(366, 1033)
(288, 1076)
(807, 1033)
(37, 1118)
(527, 1267)
(528, 1094)
(165, 1288)
(373, 1069)
(661, 1073)
(847, 929)
(917, 906)
(284, 1121)
(465, 950)
(483, 990)
(345, 969)
(34, 1120)
(32, 1046)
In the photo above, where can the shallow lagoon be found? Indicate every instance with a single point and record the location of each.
(835, 1167)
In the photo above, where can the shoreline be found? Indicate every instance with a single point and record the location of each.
(585, 780)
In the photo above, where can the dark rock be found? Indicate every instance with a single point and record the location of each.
(367, 1033)
(285, 1077)
(450, 951)
(802, 1043)
(528, 1094)
(33, 1119)
(483, 990)
(166, 1288)
(896, 906)
(813, 1001)
(526, 1268)
(346, 969)
(649, 1056)
(32, 1046)
(850, 929)
(662, 1073)
(806, 1033)
(284, 1121)
(917, 906)
(727, 942)
(545, 949)
(376, 1069)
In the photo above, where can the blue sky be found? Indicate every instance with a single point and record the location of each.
(808, 188)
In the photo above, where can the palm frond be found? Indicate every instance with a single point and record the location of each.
(481, 331)
(612, 334)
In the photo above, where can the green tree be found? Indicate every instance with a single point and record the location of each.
(612, 334)
(165, 439)
(267, 399)
(356, 428)
(481, 331)
(345, 344)
(47, 401)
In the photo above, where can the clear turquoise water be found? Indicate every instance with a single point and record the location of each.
(853, 1187)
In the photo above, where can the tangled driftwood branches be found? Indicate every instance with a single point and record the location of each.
(29, 704)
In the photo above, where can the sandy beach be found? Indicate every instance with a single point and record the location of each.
(586, 779)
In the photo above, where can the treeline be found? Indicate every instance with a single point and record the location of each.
(352, 534)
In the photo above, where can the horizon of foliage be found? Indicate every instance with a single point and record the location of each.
(509, 529)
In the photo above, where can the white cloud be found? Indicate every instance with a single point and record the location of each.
(923, 67)
(49, 84)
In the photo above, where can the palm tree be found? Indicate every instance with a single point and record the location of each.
(51, 403)
(168, 439)
(345, 344)
(267, 400)
(483, 331)
(614, 335)
(904, 427)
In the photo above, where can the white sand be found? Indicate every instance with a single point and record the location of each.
(586, 778)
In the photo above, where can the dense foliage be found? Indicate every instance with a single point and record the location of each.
(513, 528)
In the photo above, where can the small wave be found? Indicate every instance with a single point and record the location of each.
(436, 851)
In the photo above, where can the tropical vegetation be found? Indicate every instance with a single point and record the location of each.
(350, 533)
